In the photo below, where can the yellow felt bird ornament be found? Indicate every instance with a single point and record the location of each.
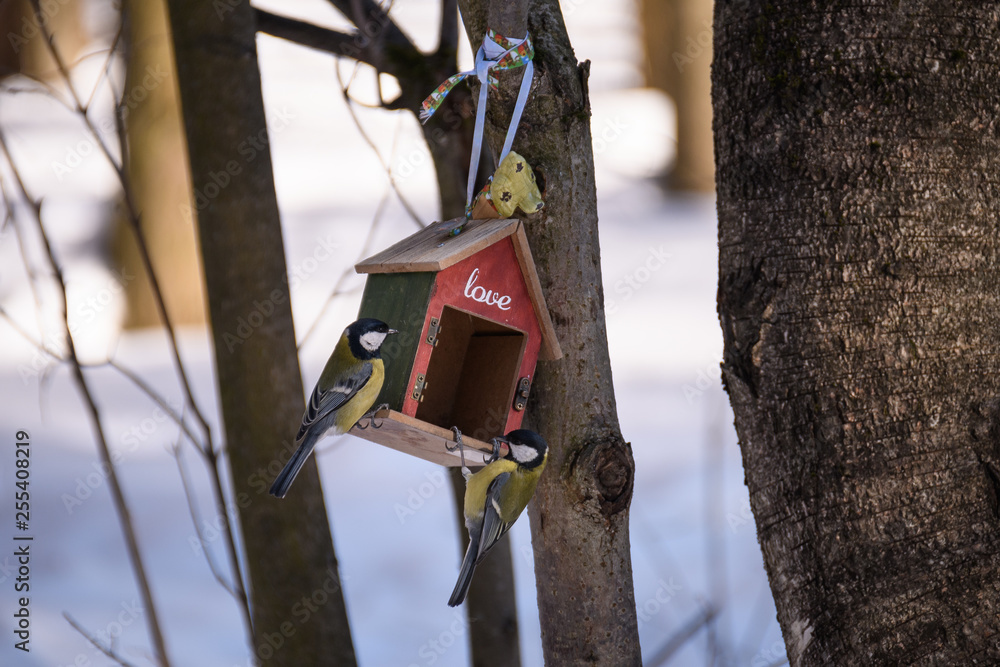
(512, 187)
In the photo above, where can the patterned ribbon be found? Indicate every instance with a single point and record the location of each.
(496, 53)
(499, 53)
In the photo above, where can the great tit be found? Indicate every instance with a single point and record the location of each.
(494, 498)
(346, 390)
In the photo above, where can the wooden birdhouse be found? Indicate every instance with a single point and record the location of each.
(472, 324)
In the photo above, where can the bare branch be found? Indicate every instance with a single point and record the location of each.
(147, 389)
(106, 70)
(9, 217)
(196, 521)
(337, 291)
(27, 336)
(227, 530)
(366, 44)
(64, 74)
(117, 495)
(681, 637)
(106, 650)
(373, 21)
(210, 452)
(211, 456)
(238, 591)
(131, 208)
(378, 42)
(364, 135)
(313, 36)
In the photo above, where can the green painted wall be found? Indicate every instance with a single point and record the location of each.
(400, 300)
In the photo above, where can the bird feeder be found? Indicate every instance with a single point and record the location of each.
(472, 324)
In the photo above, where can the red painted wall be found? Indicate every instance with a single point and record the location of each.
(497, 292)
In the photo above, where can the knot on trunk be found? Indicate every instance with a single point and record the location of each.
(614, 476)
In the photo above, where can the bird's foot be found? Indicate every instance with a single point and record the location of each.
(370, 415)
(495, 456)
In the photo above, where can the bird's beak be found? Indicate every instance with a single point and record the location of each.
(391, 331)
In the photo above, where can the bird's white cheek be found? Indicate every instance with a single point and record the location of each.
(372, 340)
(523, 453)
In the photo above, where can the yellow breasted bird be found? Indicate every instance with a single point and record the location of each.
(494, 498)
(345, 392)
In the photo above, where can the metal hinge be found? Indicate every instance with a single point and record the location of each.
(418, 388)
(521, 395)
(432, 331)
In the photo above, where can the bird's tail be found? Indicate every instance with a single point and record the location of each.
(465, 575)
(285, 478)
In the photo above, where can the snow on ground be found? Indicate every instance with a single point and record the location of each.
(693, 540)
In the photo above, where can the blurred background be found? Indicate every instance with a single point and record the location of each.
(341, 177)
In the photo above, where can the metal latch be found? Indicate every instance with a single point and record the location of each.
(521, 395)
(432, 331)
(418, 388)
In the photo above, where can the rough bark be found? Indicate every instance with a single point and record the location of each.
(579, 516)
(859, 241)
(298, 608)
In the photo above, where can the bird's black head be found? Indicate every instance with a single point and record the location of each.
(525, 448)
(366, 337)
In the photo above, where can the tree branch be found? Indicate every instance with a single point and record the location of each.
(313, 36)
(121, 169)
(349, 270)
(118, 496)
(196, 519)
(677, 640)
(106, 650)
(373, 22)
(210, 452)
(448, 35)
(359, 45)
(344, 87)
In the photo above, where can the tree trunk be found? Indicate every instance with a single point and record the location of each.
(579, 516)
(157, 171)
(22, 47)
(859, 237)
(298, 607)
(677, 36)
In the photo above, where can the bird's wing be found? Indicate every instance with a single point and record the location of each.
(324, 402)
(493, 526)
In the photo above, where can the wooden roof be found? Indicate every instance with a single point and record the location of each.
(432, 249)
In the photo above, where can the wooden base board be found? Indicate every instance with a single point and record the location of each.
(418, 438)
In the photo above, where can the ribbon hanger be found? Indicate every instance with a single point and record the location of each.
(496, 53)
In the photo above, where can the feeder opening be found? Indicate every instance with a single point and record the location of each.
(472, 375)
